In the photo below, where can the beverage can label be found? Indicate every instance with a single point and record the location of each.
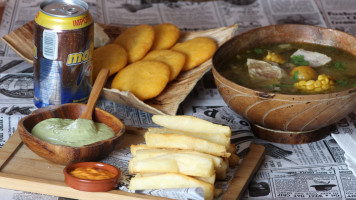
(63, 47)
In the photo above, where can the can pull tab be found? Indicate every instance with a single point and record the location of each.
(67, 9)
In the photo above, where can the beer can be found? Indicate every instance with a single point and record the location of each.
(63, 48)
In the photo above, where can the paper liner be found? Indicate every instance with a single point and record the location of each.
(21, 41)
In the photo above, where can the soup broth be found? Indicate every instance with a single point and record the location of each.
(340, 70)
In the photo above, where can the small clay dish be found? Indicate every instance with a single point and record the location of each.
(91, 185)
(65, 154)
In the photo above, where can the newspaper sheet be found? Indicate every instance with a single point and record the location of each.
(339, 15)
(315, 170)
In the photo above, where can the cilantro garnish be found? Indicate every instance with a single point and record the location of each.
(258, 51)
(299, 60)
(295, 76)
(339, 65)
(341, 82)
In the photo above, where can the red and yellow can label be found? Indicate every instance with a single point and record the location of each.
(63, 23)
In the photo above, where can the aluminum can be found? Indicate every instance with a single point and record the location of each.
(63, 49)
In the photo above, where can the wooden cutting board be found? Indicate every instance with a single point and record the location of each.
(21, 169)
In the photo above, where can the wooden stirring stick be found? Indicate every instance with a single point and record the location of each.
(95, 93)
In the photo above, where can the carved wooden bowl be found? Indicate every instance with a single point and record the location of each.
(66, 154)
(279, 117)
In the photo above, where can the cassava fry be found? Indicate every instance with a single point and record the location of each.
(185, 142)
(216, 138)
(233, 160)
(190, 124)
(210, 179)
(187, 164)
(150, 166)
(150, 153)
(221, 173)
(232, 148)
(136, 147)
(171, 180)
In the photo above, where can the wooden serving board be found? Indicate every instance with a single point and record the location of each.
(21, 169)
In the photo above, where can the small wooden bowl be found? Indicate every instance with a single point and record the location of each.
(282, 118)
(91, 185)
(64, 154)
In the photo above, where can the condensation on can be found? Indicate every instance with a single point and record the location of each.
(63, 49)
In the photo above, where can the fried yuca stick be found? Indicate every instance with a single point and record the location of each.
(188, 164)
(171, 180)
(136, 147)
(210, 179)
(216, 138)
(190, 124)
(220, 167)
(185, 142)
(232, 148)
(150, 153)
(221, 172)
(233, 159)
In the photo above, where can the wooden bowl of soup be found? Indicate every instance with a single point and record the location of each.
(292, 82)
(62, 153)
